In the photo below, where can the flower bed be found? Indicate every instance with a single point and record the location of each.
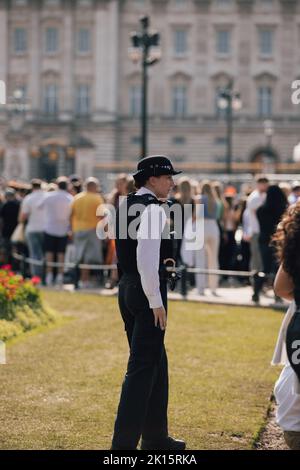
(21, 307)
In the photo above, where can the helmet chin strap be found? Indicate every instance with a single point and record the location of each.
(148, 185)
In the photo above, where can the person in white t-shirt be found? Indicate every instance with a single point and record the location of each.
(33, 212)
(57, 207)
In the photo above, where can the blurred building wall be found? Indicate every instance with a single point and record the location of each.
(70, 59)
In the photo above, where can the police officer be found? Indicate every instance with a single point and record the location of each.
(141, 254)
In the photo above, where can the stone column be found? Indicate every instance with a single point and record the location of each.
(3, 42)
(15, 161)
(84, 163)
(244, 58)
(61, 163)
(101, 35)
(113, 57)
(35, 65)
(106, 58)
(67, 69)
(34, 166)
(288, 51)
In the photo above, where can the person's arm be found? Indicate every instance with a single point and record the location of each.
(24, 212)
(22, 217)
(100, 210)
(152, 224)
(283, 285)
(71, 216)
(254, 202)
(148, 251)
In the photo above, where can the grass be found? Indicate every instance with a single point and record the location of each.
(60, 388)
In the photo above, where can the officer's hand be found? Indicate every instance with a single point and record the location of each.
(160, 317)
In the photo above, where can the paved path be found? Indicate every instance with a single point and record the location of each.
(225, 295)
(232, 296)
(272, 436)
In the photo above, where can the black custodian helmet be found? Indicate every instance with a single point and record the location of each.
(155, 165)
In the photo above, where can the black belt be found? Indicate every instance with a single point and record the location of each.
(164, 274)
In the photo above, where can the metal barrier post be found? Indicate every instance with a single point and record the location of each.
(76, 276)
(183, 282)
(23, 266)
(258, 280)
(44, 271)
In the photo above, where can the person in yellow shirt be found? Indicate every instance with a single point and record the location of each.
(84, 220)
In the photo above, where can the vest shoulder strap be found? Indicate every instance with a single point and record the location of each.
(145, 199)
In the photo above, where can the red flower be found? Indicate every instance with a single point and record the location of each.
(35, 280)
(6, 267)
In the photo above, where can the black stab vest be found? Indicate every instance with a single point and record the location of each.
(126, 248)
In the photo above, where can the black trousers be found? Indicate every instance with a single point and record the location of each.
(270, 265)
(143, 403)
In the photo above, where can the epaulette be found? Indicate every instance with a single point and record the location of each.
(169, 202)
(150, 199)
(144, 198)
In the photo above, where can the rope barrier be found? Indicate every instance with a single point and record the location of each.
(102, 267)
(221, 272)
(55, 264)
(181, 270)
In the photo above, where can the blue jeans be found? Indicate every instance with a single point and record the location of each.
(35, 241)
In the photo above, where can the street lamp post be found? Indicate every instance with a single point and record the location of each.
(230, 101)
(145, 49)
(17, 106)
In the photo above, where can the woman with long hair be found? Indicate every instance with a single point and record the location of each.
(114, 198)
(185, 195)
(287, 389)
(119, 190)
(221, 215)
(208, 255)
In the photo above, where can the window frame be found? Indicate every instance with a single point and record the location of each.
(265, 101)
(176, 41)
(15, 40)
(261, 52)
(179, 100)
(47, 39)
(80, 30)
(135, 101)
(47, 98)
(83, 111)
(219, 31)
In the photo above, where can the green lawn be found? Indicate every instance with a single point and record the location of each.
(61, 386)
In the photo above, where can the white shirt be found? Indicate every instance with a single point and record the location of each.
(246, 223)
(153, 220)
(32, 206)
(288, 412)
(254, 201)
(58, 211)
(292, 199)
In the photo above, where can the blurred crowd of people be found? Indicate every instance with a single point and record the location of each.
(57, 222)
(238, 230)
